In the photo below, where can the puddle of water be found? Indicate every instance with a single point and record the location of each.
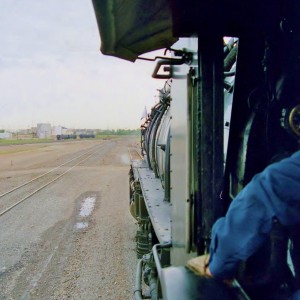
(81, 225)
(87, 206)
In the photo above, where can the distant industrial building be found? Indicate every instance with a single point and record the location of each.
(43, 130)
(5, 135)
(24, 131)
(59, 130)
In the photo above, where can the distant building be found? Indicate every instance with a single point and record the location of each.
(33, 131)
(43, 130)
(5, 135)
(24, 131)
(59, 130)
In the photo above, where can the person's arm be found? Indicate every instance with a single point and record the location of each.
(274, 193)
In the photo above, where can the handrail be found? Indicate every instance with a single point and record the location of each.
(167, 62)
(156, 257)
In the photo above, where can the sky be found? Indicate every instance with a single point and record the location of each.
(52, 71)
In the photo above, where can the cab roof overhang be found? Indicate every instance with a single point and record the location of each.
(129, 28)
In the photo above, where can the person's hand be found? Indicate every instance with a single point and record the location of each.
(199, 265)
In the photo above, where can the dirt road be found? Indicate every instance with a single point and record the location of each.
(75, 238)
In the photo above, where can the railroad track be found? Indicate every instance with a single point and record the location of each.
(12, 198)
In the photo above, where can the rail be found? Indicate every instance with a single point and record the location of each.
(42, 175)
(90, 153)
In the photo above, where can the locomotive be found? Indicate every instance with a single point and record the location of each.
(227, 110)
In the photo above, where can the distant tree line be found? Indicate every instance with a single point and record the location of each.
(118, 132)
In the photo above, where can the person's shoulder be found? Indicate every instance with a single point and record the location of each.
(296, 154)
(284, 170)
(293, 159)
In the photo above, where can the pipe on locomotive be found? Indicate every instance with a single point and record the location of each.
(138, 287)
(138, 279)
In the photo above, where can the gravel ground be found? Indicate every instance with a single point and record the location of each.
(75, 239)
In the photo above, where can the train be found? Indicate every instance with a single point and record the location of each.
(74, 136)
(66, 137)
(87, 136)
(229, 106)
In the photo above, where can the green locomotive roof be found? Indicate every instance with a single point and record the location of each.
(132, 27)
(129, 28)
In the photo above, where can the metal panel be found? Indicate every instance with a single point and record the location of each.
(179, 159)
(211, 127)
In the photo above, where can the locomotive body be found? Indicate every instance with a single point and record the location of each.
(225, 113)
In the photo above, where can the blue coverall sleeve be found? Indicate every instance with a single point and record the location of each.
(274, 193)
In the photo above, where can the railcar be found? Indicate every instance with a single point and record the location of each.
(87, 136)
(227, 110)
(66, 137)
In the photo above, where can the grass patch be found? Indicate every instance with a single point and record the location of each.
(24, 141)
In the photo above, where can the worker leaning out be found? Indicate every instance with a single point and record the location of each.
(273, 195)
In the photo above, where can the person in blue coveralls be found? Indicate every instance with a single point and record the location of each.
(273, 194)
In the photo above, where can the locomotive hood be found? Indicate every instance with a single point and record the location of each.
(130, 28)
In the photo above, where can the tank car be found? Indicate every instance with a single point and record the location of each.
(66, 137)
(217, 124)
(87, 135)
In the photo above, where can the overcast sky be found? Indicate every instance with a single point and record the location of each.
(51, 70)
